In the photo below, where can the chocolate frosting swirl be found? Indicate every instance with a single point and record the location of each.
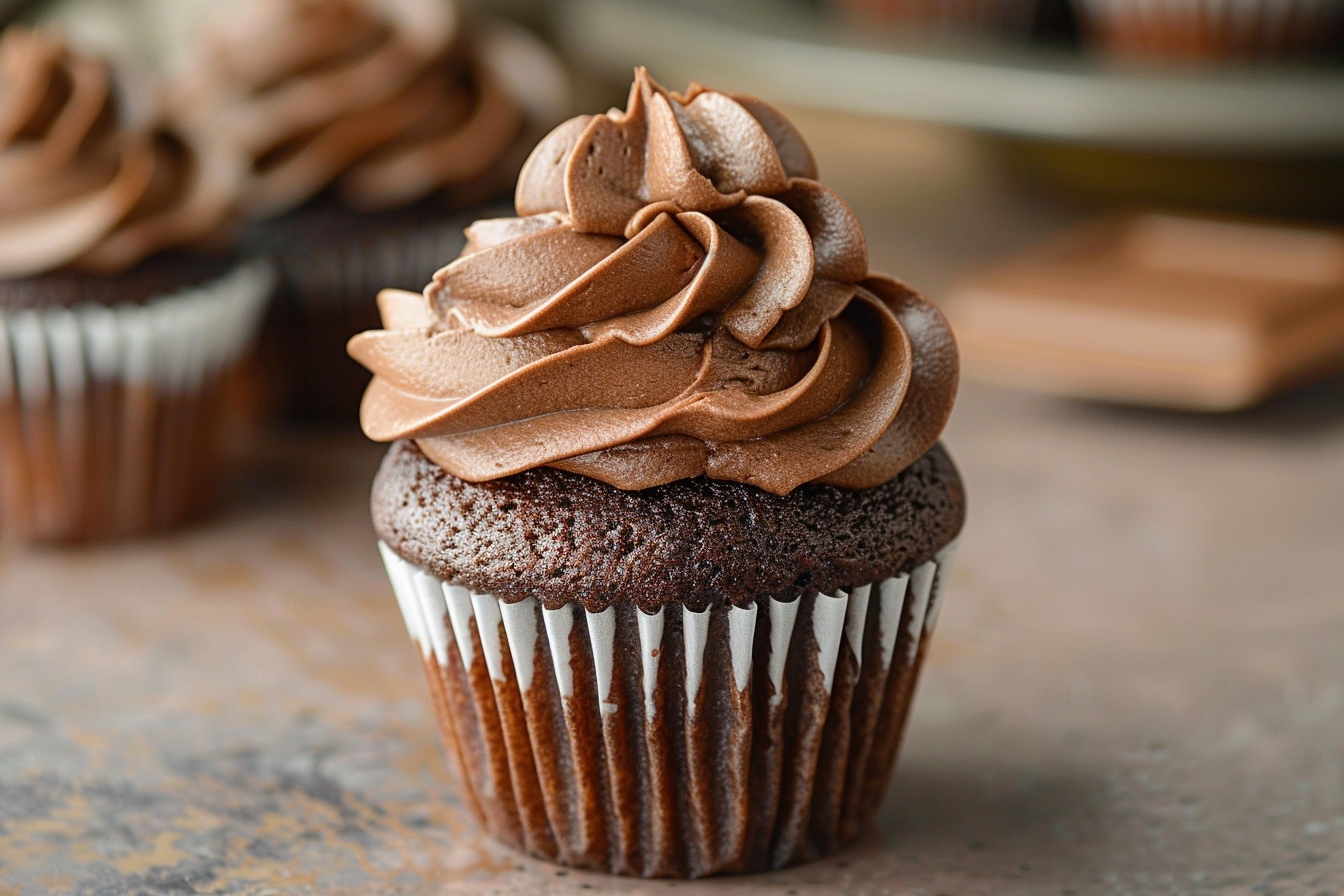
(84, 182)
(678, 297)
(387, 100)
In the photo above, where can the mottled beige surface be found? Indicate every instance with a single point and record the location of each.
(1137, 685)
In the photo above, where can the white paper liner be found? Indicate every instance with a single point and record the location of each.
(676, 743)
(106, 413)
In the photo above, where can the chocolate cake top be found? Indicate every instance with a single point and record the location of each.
(563, 537)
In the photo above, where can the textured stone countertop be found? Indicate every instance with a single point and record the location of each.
(1137, 685)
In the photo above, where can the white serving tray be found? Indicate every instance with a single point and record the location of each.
(793, 56)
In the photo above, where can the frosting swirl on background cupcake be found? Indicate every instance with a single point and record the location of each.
(387, 100)
(85, 182)
(679, 297)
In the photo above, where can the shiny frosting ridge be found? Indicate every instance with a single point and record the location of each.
(678, 297)
(386, 100)
(88, 178)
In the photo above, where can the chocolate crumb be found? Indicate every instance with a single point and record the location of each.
(561, 537)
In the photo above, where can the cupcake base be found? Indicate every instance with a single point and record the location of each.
(674, 743)
(109, 413)
(1193, 31)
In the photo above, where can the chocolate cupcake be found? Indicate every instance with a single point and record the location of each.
(1011, 19)
(366, 126)
(1200, 30)
(118, 324)
(665, 511)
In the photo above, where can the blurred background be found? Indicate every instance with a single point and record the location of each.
(972, 111)
(1232, 107)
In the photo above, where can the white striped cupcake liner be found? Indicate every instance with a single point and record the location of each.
(107, 414)
(675, 743)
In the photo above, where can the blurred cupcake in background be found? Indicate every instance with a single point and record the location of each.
(366, 126)
(1016, 20)
(120, 316)
(1212, 30)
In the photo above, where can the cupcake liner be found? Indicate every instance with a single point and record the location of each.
(677, 743)
(107, 414)
(1213, 29)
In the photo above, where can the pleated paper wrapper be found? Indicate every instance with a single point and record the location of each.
(677, 743)
(109, 415)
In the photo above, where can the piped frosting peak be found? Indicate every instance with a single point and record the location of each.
(678, 297)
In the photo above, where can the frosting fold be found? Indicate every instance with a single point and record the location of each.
(83, 183)
(678, 297)
(386, 100)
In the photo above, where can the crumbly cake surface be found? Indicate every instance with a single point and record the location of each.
(562, 537)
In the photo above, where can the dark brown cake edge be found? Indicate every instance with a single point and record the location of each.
(164, 274)
(562, 537)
